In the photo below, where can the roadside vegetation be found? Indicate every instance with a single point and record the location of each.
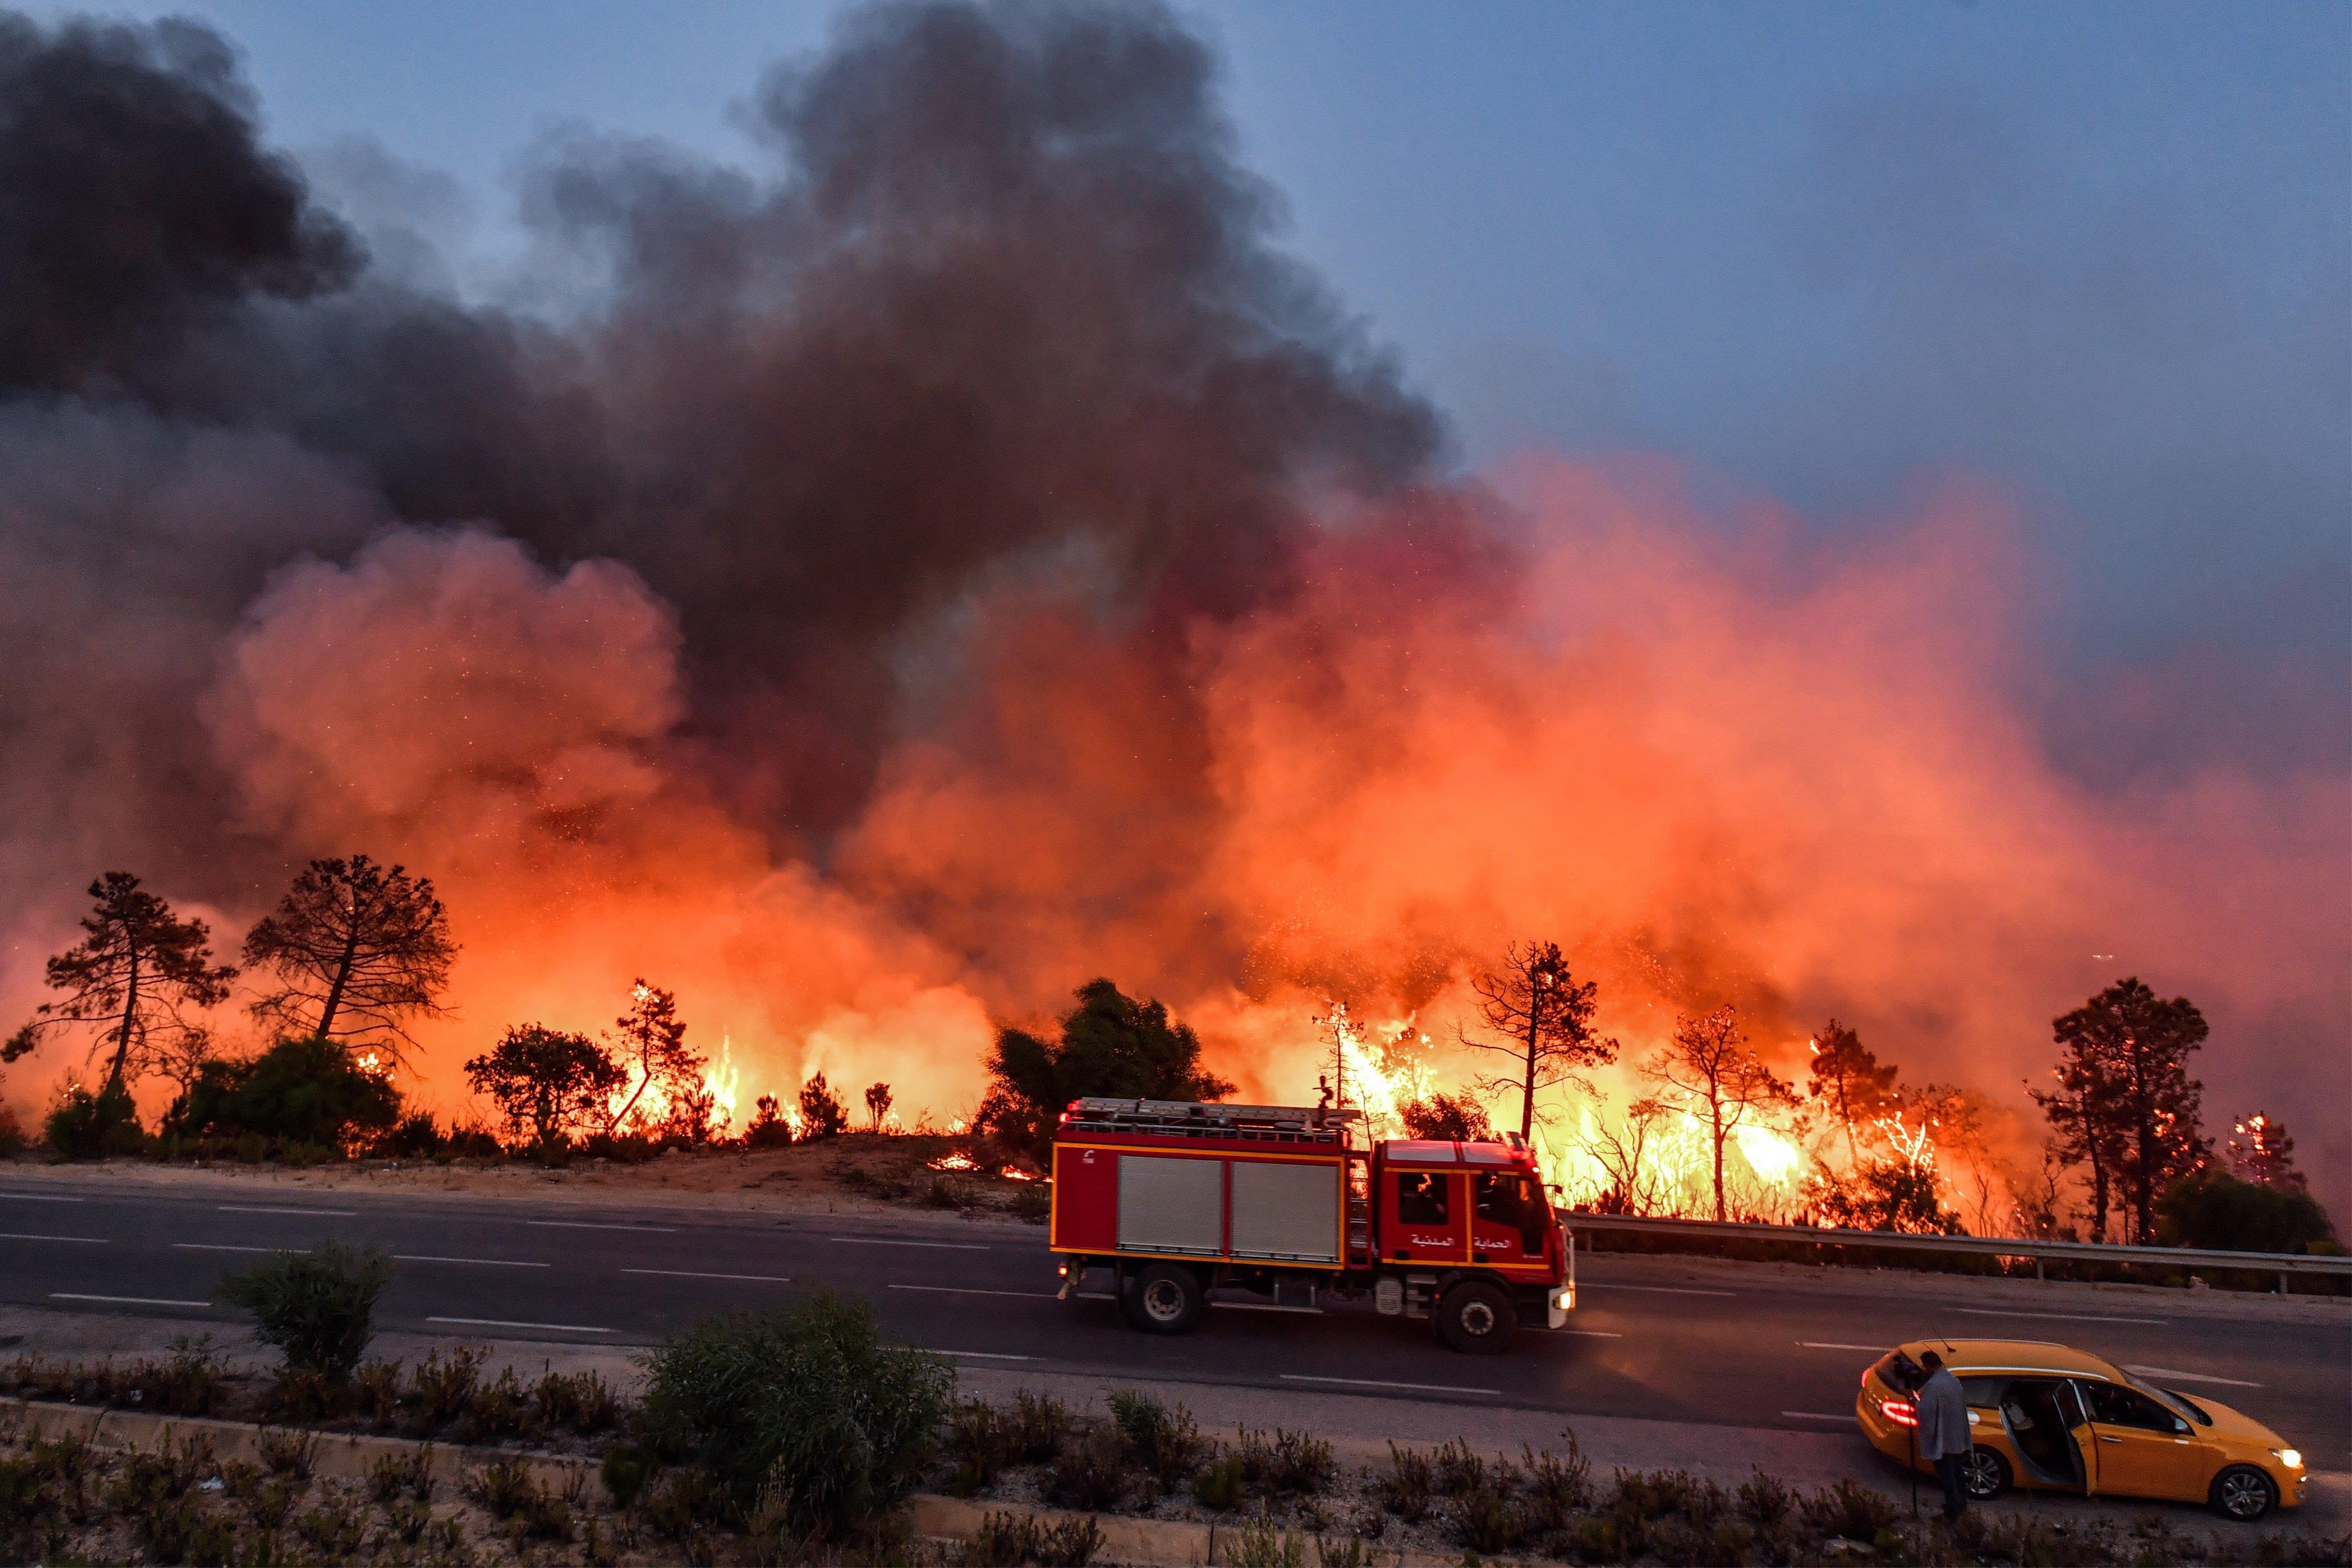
(834, 1430)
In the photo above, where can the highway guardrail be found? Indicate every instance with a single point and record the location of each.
(2282, 1264)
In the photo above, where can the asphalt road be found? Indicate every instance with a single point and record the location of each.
(1741, 1348)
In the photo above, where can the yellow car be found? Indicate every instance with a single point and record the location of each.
(2049, 1418)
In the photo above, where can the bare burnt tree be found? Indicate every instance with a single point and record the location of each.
(134, 975)
(652, 1047)
(1635, 1186)
(1541, 1019)
(1709, 1061)
(358, 950)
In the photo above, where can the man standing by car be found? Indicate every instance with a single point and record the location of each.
(1943, 1412)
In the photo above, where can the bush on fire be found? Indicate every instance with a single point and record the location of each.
(802, 1416)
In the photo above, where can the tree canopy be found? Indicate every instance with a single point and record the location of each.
(2126, 1103)
(546, 1083)
(1110, 1045)
(132, 978)
(1540, 1016)
(1848, 1082)
(357, 949)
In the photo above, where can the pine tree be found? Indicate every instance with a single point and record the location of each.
(2124, 1078)
(652, 1047)
(358, 949)
(1542, 1017)
(2261, 1151)
(133, 974)
(1847, 1082)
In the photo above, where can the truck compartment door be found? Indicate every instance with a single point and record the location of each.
(1171, 1204)
(1287, 1212)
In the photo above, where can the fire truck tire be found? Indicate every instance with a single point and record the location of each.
(1477, 1316)
(1163, 1298)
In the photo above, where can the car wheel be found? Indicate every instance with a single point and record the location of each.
(1477, 1317)
(2244, 1493)
(1985, 1474)
(1164, 1299)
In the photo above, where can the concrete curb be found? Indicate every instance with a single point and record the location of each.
(339, 1456)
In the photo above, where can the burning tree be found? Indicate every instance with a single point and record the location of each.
(2126, 1099)
(1847, 1082)
(358, 949)
(653, 1047)
(1709, 1060)
(878, 1104)
(549, 1083)
(1543, 1015)
(1636, 1184)
(136, 968)
(2261, 1151)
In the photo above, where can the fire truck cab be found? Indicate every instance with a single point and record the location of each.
(1176, 1198)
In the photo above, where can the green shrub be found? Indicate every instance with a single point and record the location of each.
(2213, 1208)
(1258, 1544)
(1093, 1471)
(802, 1407)
(1408, 1486)
(87, 1126)
(1165, 1442)
(1849, 1510)
(316, 1308)
(308, 1099)
(12, 1135)
(1220, 1487)
(1039, 1424)
(409, 1473)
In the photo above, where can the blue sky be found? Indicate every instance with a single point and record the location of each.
(2101, 253)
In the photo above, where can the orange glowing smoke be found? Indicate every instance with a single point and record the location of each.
(1717, 762)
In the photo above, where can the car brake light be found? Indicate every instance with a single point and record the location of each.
(1899, 1411)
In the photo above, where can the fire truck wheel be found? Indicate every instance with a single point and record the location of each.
(1164, 1297)
(1477, 1316)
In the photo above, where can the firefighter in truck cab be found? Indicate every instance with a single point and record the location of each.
(1174, 1198)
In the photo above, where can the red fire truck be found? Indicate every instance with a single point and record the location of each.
(1177, 1199)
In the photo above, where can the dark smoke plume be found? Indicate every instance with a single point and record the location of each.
(135, 202)
(1005, 296)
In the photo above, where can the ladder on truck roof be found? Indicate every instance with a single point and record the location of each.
(1203, 1119)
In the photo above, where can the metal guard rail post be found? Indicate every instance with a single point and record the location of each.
(2279, 1263)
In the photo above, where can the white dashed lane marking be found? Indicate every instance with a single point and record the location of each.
(1377, 1382)
(510, 1324)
